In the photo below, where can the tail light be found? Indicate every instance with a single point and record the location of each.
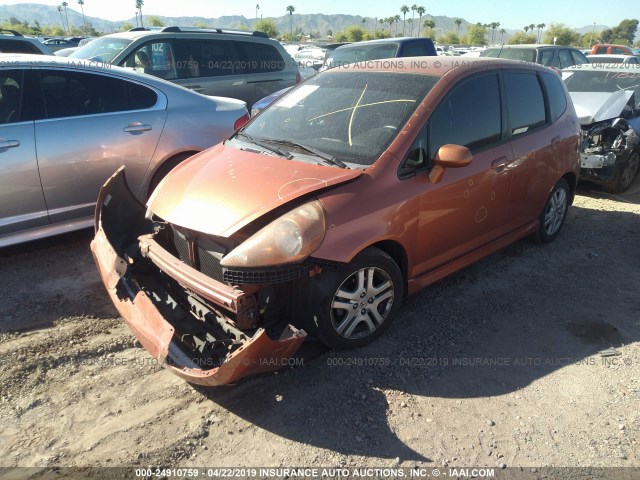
(298, 77)
(241, 122)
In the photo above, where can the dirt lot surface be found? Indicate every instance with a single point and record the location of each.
(499, 364)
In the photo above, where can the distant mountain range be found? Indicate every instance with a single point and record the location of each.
(319, 23)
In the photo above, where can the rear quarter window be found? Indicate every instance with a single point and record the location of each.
(417, 49)
(555, 95)
(9, 46)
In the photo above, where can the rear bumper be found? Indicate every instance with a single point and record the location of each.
(161, 335)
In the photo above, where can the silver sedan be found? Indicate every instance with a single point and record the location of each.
(66, 125)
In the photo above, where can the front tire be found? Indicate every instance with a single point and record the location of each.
(358, 303)
(625, 174)
(554, 213)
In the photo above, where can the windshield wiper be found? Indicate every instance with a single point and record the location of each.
(264, 146)
(328, 159)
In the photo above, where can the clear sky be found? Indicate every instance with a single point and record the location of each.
(513, 14)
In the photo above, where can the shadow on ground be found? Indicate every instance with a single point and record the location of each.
(488, 330)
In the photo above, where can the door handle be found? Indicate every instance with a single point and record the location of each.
(197, 88)
(9, 143)
(137, 127)
(499, 164)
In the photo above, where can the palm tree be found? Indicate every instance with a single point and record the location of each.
(414, 7)
(421, 11)
(396, 19)
(458, 22)
(61, 18)
(430, 24)
(139, 4)
(540, 27)
(84, 20)
(65, 5)
(291, 9)
(404, 9)
(526, 28)
(493, 26)
(532, 26)
(502, 32)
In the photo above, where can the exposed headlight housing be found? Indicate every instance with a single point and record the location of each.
(289, 239)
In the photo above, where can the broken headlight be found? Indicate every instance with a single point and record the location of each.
(289, 239)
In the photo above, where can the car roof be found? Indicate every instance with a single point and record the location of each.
(440, 65)
(13, 60)
(139, 32)
(380, 41)
(533, 45)
(610, 55)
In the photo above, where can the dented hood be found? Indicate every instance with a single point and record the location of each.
(221, 190)
(592, 107)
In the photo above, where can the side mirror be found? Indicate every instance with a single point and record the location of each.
(449, 156)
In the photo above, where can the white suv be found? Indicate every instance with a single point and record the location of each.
(226, 63)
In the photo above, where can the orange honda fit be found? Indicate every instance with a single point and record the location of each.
(359, 187)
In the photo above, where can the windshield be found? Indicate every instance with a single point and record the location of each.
(359, 53)
(351, 116)
(522, 54)
(585, 81)
(102, 49)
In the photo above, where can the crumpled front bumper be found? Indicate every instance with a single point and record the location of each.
(157, 334)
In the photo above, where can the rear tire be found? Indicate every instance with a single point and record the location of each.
(554, 213)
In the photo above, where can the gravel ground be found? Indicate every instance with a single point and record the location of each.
(502, 363)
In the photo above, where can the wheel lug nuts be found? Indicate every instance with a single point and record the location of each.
(362, 295)
(370, 300)
(363, 311)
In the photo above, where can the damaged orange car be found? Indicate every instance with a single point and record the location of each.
(355, 189)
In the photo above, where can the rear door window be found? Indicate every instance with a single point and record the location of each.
(546, 57)
(70, 94)
(259, 57)
(206, 58)
(564, 58)
(525, 102)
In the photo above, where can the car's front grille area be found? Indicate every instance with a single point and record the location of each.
(210, 265)
(208, 262)
(181, 244)
(264, 276)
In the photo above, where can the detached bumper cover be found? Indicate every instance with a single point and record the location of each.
(257, 354)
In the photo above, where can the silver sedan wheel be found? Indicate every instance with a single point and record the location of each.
(362, 302)
(556, 211)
